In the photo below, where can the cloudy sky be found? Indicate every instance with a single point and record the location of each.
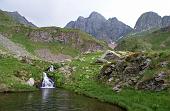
(60, 12)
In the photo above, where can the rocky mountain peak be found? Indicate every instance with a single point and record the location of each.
(99, 27)
(113, 19)
(147, 21)
(80, 18)
(96, 15)
(166, 21)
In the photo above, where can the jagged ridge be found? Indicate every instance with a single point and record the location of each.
(98, 26)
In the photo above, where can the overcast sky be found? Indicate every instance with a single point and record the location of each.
(60, 12)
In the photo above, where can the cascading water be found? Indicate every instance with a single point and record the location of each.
(47, 82)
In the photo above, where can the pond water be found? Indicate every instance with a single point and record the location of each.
(52, 100)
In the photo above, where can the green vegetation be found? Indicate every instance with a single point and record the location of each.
(54, 47)
(5, 19)
(157, 40)
(14, 73)
(19, 34)
(84, 81)
(84, 78)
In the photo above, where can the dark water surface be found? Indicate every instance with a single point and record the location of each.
(52, 100)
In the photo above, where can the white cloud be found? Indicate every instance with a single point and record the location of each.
(60, 12)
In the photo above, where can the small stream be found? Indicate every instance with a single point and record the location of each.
(52, 100)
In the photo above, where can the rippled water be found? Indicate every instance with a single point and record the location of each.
(52, 100)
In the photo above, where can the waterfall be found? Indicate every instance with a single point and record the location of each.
(47, 82)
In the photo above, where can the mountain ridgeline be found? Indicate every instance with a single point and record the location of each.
(13, 18)
(96, 25)
(21, 19)
(47, 43)
(113, 29)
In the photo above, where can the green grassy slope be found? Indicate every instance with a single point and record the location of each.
(14, 73)
(84, 81)
(5, 19)
(158, 40)
(20, 34)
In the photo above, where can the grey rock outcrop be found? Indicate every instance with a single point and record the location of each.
(96, 25)
(73, 38)
(148, 20)
(157, 83)
(151, 20)
(166, 21)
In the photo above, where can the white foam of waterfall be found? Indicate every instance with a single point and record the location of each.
(47, 82)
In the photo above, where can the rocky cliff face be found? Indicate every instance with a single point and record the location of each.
(166, 21)
(19, 18)
(96, 25)
(147, 21)
(74, 38)
(151, 20)
(128, 69)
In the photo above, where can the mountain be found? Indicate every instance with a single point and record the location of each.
(151, 20)
(96, 25)
(147, 21)
(13, 18)
(166, 21)
(47, 43)
(21, 19)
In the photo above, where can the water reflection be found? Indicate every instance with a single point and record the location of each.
(46, 93)
(52, 100)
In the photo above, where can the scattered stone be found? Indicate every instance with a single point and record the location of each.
(68, 60)
(164, 64)
(74, 68)
(117, 88)
(25, 59)
(160, 76)
(22, 74)
(87, 52)
(31, 82)
(82, 59)
(3, 87)
(106, 70)
(66, 70)
(101, 61)
(110, 79)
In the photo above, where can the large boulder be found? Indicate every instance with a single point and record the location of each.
(30, 82)
(3, 87)
(111, 55)
(124, 70)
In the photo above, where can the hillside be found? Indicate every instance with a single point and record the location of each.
(156, 41)
(25, 52)
(49, 43)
